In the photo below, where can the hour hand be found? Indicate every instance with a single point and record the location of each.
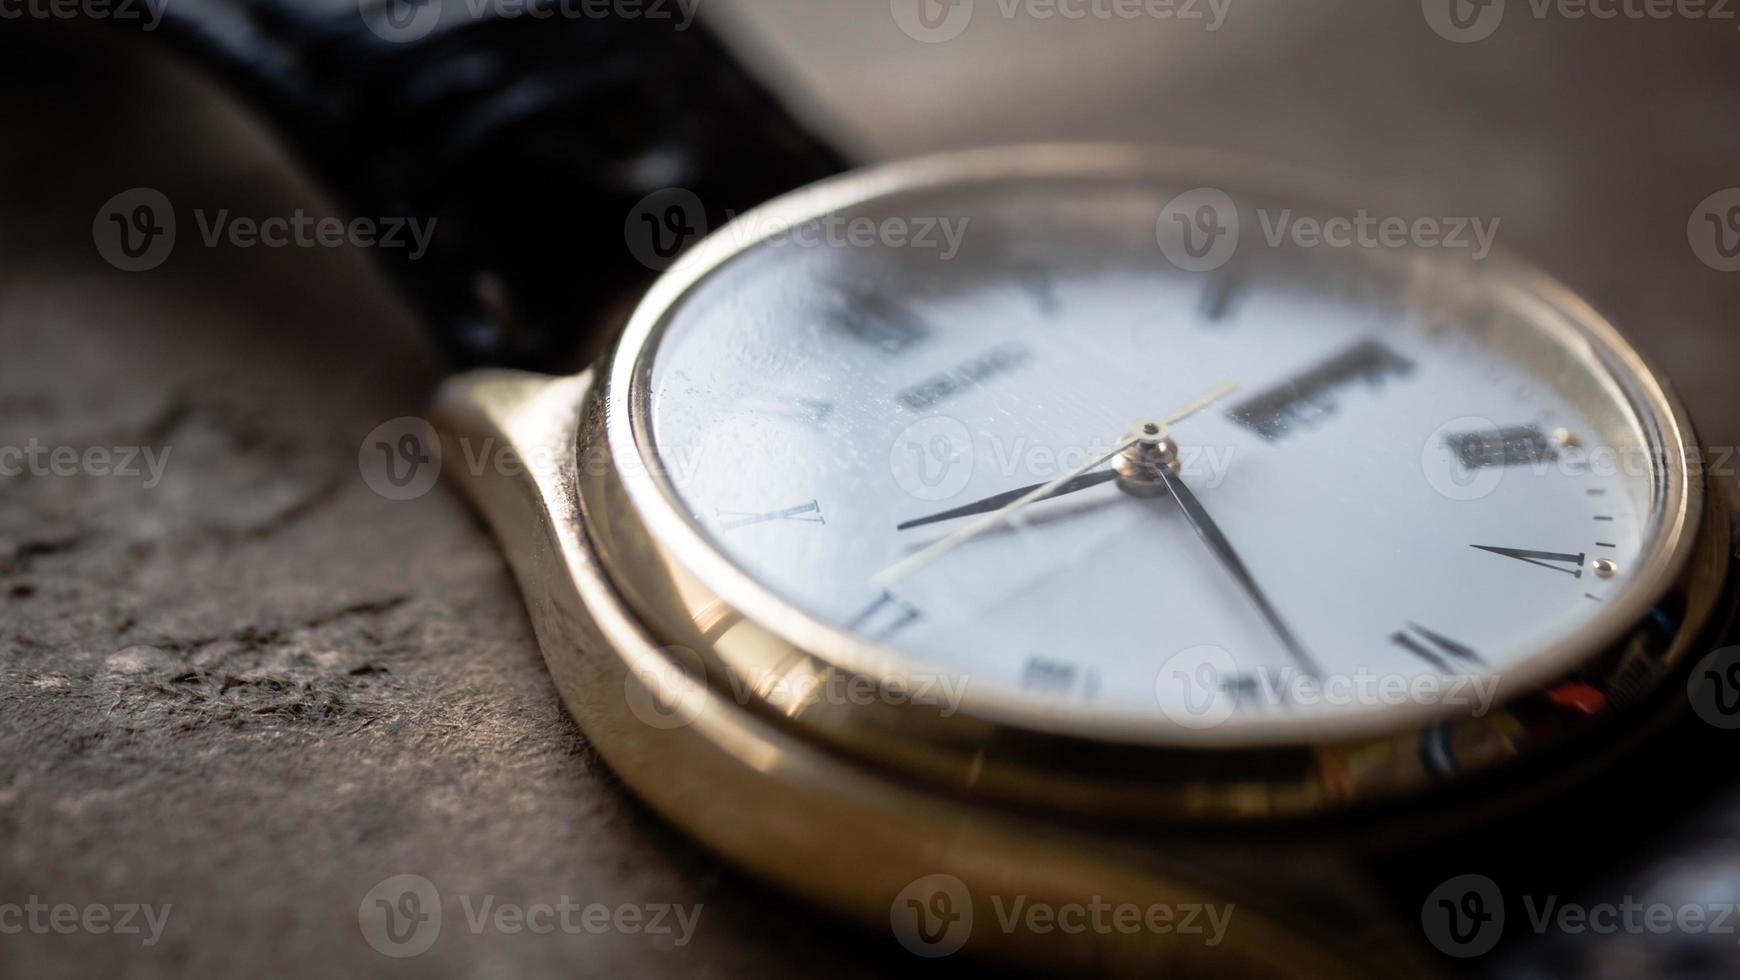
(1083, 482)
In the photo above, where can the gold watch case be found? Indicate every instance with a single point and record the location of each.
(673, 661)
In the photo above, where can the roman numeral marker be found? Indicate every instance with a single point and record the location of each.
(885, 617)
(1441, 652)
(1219, 297)
(810, 513)
(1042, 290)
(878, 321)
(1546, 559)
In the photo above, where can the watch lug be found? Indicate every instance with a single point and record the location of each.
(508, 437)
(495, 418)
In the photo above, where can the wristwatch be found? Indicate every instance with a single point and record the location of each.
(1070, 555)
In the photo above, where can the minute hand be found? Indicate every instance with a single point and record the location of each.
(1211, 535)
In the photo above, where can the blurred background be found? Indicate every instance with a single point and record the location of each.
(254, 689)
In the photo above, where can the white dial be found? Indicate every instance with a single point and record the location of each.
(1427, 480)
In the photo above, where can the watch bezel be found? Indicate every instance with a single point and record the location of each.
(685, 587)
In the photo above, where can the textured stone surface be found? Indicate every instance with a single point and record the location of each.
(256, 688)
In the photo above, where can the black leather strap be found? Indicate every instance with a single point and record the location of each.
(530, 131)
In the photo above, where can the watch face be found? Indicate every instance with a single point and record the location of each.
(1378, 484)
